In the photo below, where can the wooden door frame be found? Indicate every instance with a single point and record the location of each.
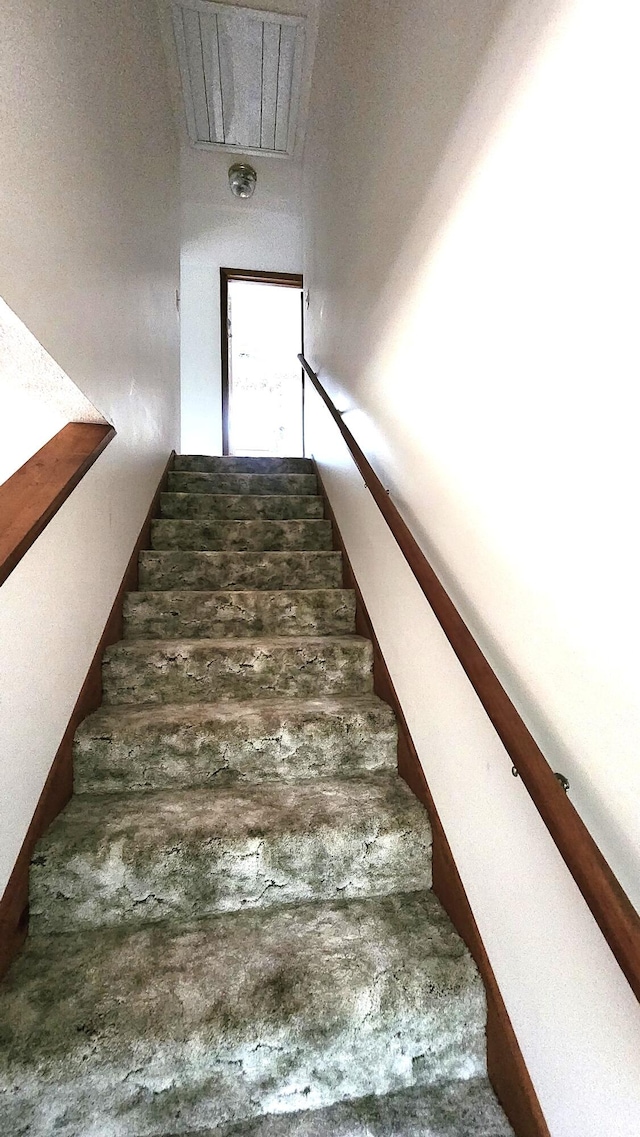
(288, 279)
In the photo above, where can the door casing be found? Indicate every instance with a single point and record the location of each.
(289, 280)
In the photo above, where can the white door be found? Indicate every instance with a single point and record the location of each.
(265, 378)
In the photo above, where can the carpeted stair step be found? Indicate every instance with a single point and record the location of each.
(234, 507)
(464, 1108)
(161, 1030)
(152, 748)
(269, 536)
(191, 481)
(193, 671)
(185, 854)
(166, 569)
(215, 464)
(192, 615)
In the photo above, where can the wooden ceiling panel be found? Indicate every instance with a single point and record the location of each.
(241, 72)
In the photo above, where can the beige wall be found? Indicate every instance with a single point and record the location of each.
(471, 243)
(264, 232)
(89, 262)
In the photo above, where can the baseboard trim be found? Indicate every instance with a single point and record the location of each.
(58, 788)
(506, 1066)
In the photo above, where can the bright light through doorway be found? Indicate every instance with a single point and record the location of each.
(265, 380)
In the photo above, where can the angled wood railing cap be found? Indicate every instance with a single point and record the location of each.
(34, 494)
(609, 904)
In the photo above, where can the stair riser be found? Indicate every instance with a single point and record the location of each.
(239, 1016)
(201, 506)
(239, 571)
(300, 485)
(464, 1108)
(207, 464)
(232, 746)
(258, 536)
(193, 672)
(185, 860)
(213, 615)
(196, 1085)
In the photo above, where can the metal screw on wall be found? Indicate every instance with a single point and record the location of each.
(564, 782)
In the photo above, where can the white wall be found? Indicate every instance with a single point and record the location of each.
(38, 398)
(264, 232)
(89, 262)
(218, 230)
(471, 243)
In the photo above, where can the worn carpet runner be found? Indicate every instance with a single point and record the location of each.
(232, 929)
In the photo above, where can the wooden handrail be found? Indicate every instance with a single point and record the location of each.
(34, 494)
(609, 904)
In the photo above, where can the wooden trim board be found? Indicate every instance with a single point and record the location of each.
(289, 279)
(34, 494)
(506, 1067)
(58, 788)
(224, 353)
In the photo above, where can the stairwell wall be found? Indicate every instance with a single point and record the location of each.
(89, 262)
(219, 230)
(36, 393)
(471, 241)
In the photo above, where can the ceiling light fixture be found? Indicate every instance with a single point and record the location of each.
(242, 180)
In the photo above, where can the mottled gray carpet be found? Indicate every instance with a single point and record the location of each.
(232, 928)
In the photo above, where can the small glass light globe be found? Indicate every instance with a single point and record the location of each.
(242, 180)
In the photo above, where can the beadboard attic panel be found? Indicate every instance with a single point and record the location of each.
(241, 72)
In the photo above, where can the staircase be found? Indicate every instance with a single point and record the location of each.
(231, 924)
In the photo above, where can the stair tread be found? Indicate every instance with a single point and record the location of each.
(296, 808)
(183, 854)
(464, 1108)
(316, 497)
(213, 614)
(236, 1016)
(184, 644)
(261, 595)
(288, 641)
(114, 717)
